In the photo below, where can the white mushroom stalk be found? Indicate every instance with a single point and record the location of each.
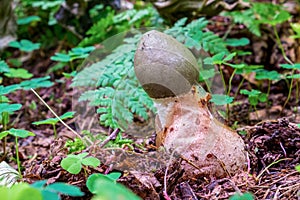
(168, 72)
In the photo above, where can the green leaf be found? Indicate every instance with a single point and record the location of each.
(20, 133)
(245, 196)
(8, 89)
(114, 176)
(297, 167)
(218, 58)
(51, 121)
(82, 50)
(253, 100)
(36, 83)
(251, 93)
(28, 20)
(61, 57)
(220, 99)
(3, 134)
(67, 115)
(91, 161)
(18, 73)
(39, 184)
(23, 191)
(107, 189)
(263, 97)
(80, 156)
(25, 45)
(237, 42)
(294, 76)
(269, 75)
(206, 74)
(208, 61)
(91, 181)
(65, 189)
(71, 164)
(288, 66)
(5, 107)
(3, 66)
(237, 66)
(296, 29)
(229, 57)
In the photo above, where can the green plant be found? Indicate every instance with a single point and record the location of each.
(269, 14)
(35, 83)
(194, 35)
(75, 145)
(259, 13)
(28, 20)
(297, 167)
(220, 99)
(18, 73)
(293, 76)
(17, 133)
(39, 191)
(6, 110)
(105, 187)
(113, 24)
(54, 121)
(73, 163)
(267, 75)
(21, 191)
(54, 190)
(25, 45)
(296, 29)
(254, 96)
(243, 196)
(119, 96)
(73, 54)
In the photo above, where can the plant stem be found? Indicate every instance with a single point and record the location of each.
(290, 92)
(17, 155)
(239, 87)
(297, 96)
(268, 92)
(223, 79)
(4, 140)
(281, 47)
(286, 59)
(54, 130)
(230, 80)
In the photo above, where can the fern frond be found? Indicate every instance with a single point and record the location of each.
(259, 13)
(194, 35)
(116, 91)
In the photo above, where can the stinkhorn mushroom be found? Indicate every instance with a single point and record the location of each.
(168, 72)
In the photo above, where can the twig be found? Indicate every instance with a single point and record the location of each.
(282, 147)
(165, 194)
(66, 125)
(248, 163)
(273, 163)
(110, 137)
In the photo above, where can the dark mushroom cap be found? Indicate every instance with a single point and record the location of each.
(164, 66)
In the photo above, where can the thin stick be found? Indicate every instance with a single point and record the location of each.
(270, 165)
(110, 137)
(66, 125)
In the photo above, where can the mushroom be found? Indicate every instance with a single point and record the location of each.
(168, 72)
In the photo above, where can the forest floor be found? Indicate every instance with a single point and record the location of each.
(271, 135)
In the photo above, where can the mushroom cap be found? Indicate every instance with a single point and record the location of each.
(164, 66)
